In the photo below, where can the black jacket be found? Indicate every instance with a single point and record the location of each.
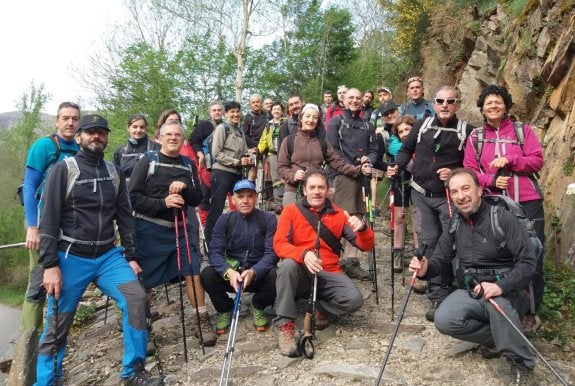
(253, 127)
(477, 247)
(126, 156)
(202, 130)
(432, 154)
(87, 214)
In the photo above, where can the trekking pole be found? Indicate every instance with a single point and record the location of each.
(151, 334)
(273, 186)
(193, 283)
(473, 282)
(262, 182)
(229, 353)
(366, 191)
(404, 222)
(106, 309)
(167, 296)
(448, 200)
(8, 246)
(202, 231)
(180, 283)
(55, 344)
(306, 344)
(392, 235)
(245, 169)
(419, 254)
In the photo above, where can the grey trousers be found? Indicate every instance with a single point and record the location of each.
(336, 293)
(476, 320)
(434, 214)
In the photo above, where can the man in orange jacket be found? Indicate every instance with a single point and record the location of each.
(294, 244)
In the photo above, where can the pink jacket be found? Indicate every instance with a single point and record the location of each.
(522, 162)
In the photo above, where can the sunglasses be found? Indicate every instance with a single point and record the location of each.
(440, 101)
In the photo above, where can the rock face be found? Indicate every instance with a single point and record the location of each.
(532, 54)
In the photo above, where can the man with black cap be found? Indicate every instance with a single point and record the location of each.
(84, 196)
(241, 250)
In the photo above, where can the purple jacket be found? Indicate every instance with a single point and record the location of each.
(522, 162)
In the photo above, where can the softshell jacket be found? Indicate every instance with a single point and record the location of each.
(253, 126)
(431, 154)
(523, 162)
(476, 247)
(295, 236)
(87, 214)
(269, 141)
(228, 147)
(246, 236)
(307, 155)
(126, 157)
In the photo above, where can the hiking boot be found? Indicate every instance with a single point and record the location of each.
(321, 320)
(530, 323)
(260, 319)
(352, 269)
(208, 335)
(397, 260)
(430, 314)
(420, 286)
(223, 322)
(520, 374)
(489, 352)
(287, 343)
(142, 377)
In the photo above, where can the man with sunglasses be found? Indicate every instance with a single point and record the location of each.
(416, 105)
(438, 144)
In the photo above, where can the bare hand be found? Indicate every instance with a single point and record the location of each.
(245, 161)
(299, 175)
(443, 173)
(235, 278)
(177, 187)
(247, 276)
(490, 290)
(502, 182)
(174, 201)
(419, 266)
(366, 169)
(355, 222)
(312, 263)
(135, 267)
(33, 238)
(364, 160)
(392, 171)
(499, 162)
(201, 159)
(52, 281)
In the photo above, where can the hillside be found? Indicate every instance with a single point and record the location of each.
(11, 118)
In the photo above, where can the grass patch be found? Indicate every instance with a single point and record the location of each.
(12, 296)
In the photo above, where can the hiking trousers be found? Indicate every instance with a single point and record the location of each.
(114, 277)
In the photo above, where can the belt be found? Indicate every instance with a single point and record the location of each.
(86, 242)
(157, 221)
(489, 271)
(418, 188)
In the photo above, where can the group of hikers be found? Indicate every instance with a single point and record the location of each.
(313, 166)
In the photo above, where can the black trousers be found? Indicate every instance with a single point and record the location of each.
(263, 288)
(534, 211)
(222, 184)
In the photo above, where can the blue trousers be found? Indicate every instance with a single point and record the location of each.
(115, 278)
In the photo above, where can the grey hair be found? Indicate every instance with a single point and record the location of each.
(171, 122)
(447, 88)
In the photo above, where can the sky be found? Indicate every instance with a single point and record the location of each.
(45, 41)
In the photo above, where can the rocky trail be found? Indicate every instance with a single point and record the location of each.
(350, 350)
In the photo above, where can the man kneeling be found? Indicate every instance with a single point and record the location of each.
(241, 250)
(294, 243)
(503, 274)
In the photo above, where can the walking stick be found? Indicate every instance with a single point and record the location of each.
(8, 246)
(392, 232)
(229, 353)
(306, 344)
(473, 282)
(419, 254)
(366, 192)
(55, 344)
(180, 283)
(193, 282)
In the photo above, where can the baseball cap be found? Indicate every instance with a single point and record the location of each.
(388, 106)
(92, 121)
(244, 184)
(386, 89)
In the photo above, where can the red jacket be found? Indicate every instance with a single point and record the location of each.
(295, 235)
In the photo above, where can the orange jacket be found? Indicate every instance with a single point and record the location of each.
(295, 235)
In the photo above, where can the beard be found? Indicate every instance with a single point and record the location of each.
(95, 147)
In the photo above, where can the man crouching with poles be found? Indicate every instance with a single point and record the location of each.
(83, 197)
(486, 274)
(294, 244)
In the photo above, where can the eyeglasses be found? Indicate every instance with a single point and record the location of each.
(414, 79)
(450, 101)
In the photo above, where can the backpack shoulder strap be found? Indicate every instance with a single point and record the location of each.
(323, 144)
(325, 233)
(424, 127)
(290, 139)
(154, 160)
(113, 172)
(519, 128)
(453, 225)
(495, 213)
(73, 174)
(54, 139)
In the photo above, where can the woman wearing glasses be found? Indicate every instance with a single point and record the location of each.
(506, 156)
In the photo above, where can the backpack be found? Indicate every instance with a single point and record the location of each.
(207, 146)
(154, 163)
(344, 124)
(290, 139)
(74, 174)
(461, 130)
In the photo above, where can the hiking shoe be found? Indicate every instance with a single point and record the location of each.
(489, 352)
(223, 322)
(397, 260)
(321, 320)
(260, 319)
(352, 269)
(430, 314)
(520, 374)
(530, 323)
(208, 335)
(287, 343)
(142, 377)
(420, 286)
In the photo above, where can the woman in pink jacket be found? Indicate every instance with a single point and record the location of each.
(506, 155)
